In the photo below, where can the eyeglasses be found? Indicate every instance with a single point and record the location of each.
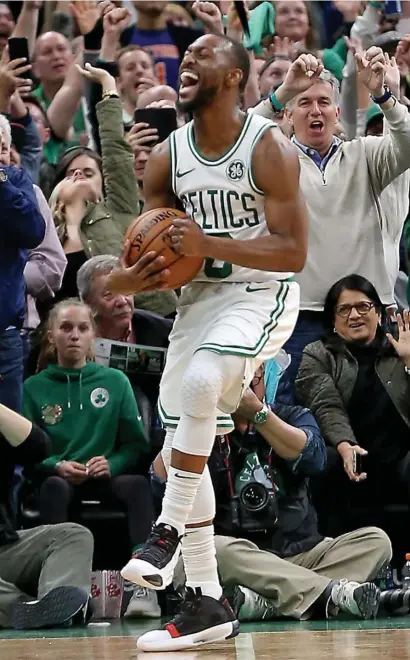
(259, 376)
(361, 308)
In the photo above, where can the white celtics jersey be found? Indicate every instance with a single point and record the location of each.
(222, 196)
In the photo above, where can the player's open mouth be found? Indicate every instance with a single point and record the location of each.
(189, 81)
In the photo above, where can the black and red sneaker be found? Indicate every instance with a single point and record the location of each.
(201, 620)
(153, 566)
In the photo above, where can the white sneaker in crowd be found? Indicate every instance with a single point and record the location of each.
(361, 600)
(143, 604)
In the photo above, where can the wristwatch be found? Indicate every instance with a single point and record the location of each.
(276, 106)
(382, 99)
(3, 176)
(110, 94)
(261, 416)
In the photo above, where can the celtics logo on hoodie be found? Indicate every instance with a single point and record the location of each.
(99, 397)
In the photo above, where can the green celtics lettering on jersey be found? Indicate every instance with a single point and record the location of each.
(222, 196)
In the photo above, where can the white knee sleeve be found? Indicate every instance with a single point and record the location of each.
(202, 386)
(208, 377)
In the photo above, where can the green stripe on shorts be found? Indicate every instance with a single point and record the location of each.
(223, 421)
(269, 326)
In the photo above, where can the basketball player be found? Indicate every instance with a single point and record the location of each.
(238, 179)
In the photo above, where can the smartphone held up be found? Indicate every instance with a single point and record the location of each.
(163, 119)
(18, 48)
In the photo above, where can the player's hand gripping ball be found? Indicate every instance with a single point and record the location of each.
(158, 231)
(187, 237)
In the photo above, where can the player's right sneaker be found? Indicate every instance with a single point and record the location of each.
(153, 566)
(201, 620)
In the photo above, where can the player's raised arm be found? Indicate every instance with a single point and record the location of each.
(275, 169)
(157, 179)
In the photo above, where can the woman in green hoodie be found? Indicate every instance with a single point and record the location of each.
(91, 416)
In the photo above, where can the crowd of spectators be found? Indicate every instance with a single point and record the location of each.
(80, 366)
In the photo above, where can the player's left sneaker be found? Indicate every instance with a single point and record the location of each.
(361, 600)
(153, 566)
(201, 620)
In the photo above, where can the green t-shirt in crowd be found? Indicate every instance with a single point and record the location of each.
(55, 147)
(86, 412)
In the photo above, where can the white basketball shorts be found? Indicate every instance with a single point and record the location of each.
(252, 320)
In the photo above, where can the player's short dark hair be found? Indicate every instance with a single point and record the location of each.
(240, 58)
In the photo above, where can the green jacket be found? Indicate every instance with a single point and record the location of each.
(105, 223)
(325, 383)
(86, 412)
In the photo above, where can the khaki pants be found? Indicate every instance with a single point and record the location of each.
(43, 558)
(295, 583)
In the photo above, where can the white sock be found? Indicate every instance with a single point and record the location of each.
(199, 556)
(198, 544)
(179, 497)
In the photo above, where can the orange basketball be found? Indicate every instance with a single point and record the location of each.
(149, 233)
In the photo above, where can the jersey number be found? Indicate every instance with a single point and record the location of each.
(219, 272)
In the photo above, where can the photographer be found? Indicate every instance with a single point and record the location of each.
(288, 568)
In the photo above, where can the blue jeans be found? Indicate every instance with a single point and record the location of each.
(308, 328)
(11, 369)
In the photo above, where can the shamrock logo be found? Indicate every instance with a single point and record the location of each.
(99, 397)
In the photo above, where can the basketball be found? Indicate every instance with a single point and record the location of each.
(149, 233)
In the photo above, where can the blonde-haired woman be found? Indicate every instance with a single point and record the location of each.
(91, 417)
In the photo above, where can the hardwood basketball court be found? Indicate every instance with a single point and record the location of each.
(336, 640)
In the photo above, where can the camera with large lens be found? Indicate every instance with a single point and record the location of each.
(255, 507)
(395, 602)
